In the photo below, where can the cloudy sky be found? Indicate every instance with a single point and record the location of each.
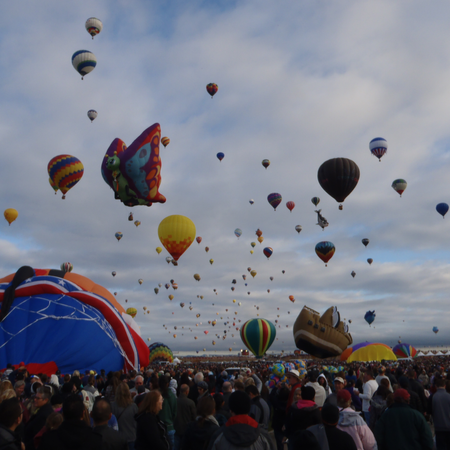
(299, 83)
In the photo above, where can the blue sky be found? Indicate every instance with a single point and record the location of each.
(299, 83)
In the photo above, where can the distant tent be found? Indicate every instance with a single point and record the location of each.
(420, 354)
(439, 353)
(176, 361)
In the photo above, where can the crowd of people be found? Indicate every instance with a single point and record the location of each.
(364, 406)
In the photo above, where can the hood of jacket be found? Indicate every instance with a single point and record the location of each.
(350, 418)
(306, 404)
(241, 430)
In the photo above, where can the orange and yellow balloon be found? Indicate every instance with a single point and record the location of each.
(176, 234)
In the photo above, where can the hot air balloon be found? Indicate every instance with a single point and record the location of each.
(93, 26)
(260, 239)
(212, 89)
(353, 274)
(365, 241)
(271, 278)
(435, 330)
(67, 267)
(369, 317)
(265, 163)
(378, 147)
(268, 252)
(84, 62)
(65, 172)
(174, 286)
(160, 352)
(156, 290)
(165, 141)
(158, 250)
(315, 201)
(283, 271)
(291, 298)
(134, 172)
(258, 335)
(137, 223)
(140, 281)
(132, 312)
(253, 273)
(253, 244)
(176, 233)
(290, 206)
(238, 232)
(11, 215)
(251, 201)
(206, 249)
(399, 186)
(92, 114)
(325, 251)
(442, 209)
(211, 261)
(298, 228)
(370, 260)
(130, 217)
(119, 235)
(198, 239)
(220, 156)
(113, 273)
(168, 259)
(244, 277)
(403, 350)
(197, 277)
(171, 297)
(274, 199)
(338, 177)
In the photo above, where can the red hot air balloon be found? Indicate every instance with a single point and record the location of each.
(290, 206)
(212, 89)
(198, 239)
(274, 199)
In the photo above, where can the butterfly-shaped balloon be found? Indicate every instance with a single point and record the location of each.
(134, 172)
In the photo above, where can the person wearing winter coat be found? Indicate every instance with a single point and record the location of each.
(352, 423)
(303, 415)
(168, 413)
(10, 419)
(151, 432)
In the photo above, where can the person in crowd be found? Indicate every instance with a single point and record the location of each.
(202, 388)
(259, 409)
(10, 419)
(151, 432)
(168, 413)
(414, 400)
(382, 375)
(125, 409)
(352, 423)
(198, 433)
(74, 432)
(416, 387)
(186, 412)
(138, 381)
(304, 414)
(339, 384)
(321, 395)
(278, 400)
(193, 392)
(378, 405)
(54, 420)
(440, 410)
(400, 426)
(356, 401)
(227, 390)
(241, 430)
(293, 377)
(322, 380)
(90, 386)
(101, 414)
(369, 388)
(19, 387)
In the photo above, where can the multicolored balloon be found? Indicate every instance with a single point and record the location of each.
(176, 233)
(315, 201)
(134, 172)
(265, 163)
(165, 141)
(67, 267)
(92, 114)
(93, 26)
(212, 89)
(399, 186)
(65, 172)
(325, 251)
(258, 335)
(160, 352)
(118, 235)
(84, 62)
(274, 199)
(403, 350)
(132, 312)
(268, 252)
(378, 147)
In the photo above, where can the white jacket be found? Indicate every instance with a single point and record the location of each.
(352, 423)
(369, 389)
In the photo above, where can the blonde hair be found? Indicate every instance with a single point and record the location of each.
(9, 393)
(5, 385)
(123, 395)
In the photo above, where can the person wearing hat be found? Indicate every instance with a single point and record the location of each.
(327, 433)
(339, 384)
(352, 423)
(203, 391)
(293, 377)
(321, 395)
(240, 430)
(400, 426)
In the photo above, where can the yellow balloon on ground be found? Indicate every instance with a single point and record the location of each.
(11, 215)
(176, 234)
(132, 312)
(158, 250)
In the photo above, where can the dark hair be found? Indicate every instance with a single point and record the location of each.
(163, 385)
(101, 412)
(308, 393)
(239, 402)
(205, 407)
(10, 411)
(252, 389)
(219, 401)
(73, 408)
(148, 404)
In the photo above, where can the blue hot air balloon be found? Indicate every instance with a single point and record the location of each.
(369, 317)
(268, 252)
(435, 330)
(442, 209)
(220, 156)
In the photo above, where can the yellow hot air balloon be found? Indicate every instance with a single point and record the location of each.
(11, 215)
(132, 312)
(211, 261)
(158, 250)
(171, 297)
(260, 239)
(176, 234)
(253, 273)
(197, 277)
(251, 251)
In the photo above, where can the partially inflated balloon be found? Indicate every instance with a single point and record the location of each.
(93, 26)
(258, 335)
(378, 147)
(84, 62)
(65, 172)
(274, 199)
(212, 89)
(176, 233)
(442, 209)
(325, 251)
(134, 172)
(11, 215)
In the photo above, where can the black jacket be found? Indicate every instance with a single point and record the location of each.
(301, 419)
(71, 435)
(112, 439)
(198, 434)
(36, 423)
(150, 433)
(9, 440)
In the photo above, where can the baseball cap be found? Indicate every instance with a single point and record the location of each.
(344, 395)
(341, 380)
(401, 393)
(294, 373)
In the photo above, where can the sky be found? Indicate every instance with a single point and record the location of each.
(299, 83)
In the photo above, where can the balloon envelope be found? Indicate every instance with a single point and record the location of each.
(268, 252)
(65, 171)
(399, 186)
(325, 250)
(369, 317)
(176, 233)
(258, 335)
(92, 114)
(93, 26)
(368, 352)
(378, 147)
(212, 89)
(11, 215)
(160, 352)
(84, 62)
(442, 209)
(220, 156)
(274, 199)
(403, 350)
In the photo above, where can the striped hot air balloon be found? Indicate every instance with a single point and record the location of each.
(84, 62)
(65, 172)
(93, 26)
(258, 335)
